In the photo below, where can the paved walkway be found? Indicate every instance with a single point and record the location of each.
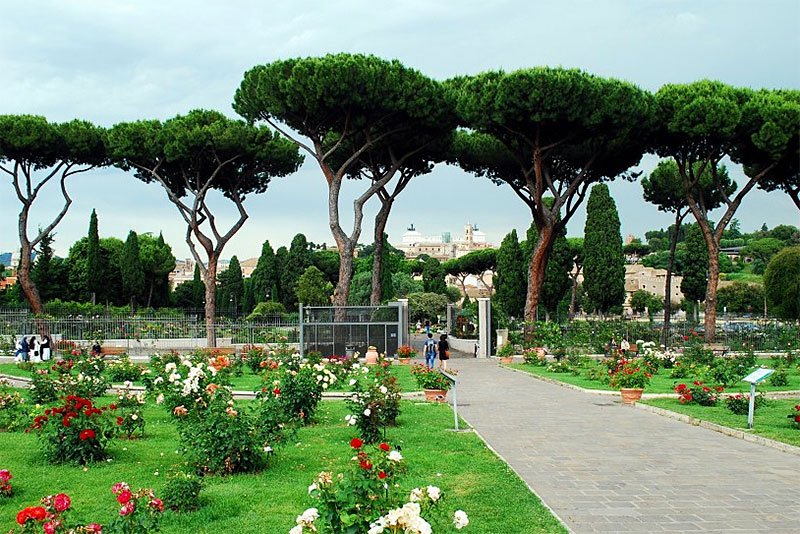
(605, 467)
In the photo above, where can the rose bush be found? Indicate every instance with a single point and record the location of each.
(140, 511)
(75, 432)
(130, 412)
(375, 404)
(368, 498)
(13, 415)
(5, 483)
(430, 378)
(698, 393)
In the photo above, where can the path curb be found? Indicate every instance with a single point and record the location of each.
(533, 491)
(732, 432)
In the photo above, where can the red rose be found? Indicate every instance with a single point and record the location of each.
(61, 502)
(156, 504)
(65, 422)
(124, 497)
(112, 406)
(277, 391)
(382, 475)
(797, 418)
(365, 465)
(37, 512)
(119, 421)
(87, 434)
(356, 443)
(94, 527)
(127, 508)
(384, 447)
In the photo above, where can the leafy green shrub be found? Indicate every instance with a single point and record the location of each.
(563, 367)
(533, 356)
(740, 403)
(507, 350)
(779, 378)
(130, 417)
(13, 415)
(181, 493)
(124, 370)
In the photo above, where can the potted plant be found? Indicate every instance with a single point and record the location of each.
(405, 353)
(434, 384)
(506, 353)
(631, 377)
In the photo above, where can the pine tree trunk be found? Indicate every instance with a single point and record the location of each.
(673, 244)
(710, 322)
(342, 291)
(210, 282)
(536, 271)
(24, 269)
(376, 296)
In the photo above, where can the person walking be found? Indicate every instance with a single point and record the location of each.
(46, 347)
(444, 351)
(33, 350)
(427, 326)
(429, 350)
(25, 348)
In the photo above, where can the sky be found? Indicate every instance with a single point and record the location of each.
(108, 62)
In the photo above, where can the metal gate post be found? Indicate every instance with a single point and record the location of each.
(484, 328)
(302, 338)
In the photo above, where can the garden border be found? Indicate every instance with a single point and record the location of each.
(732, 432)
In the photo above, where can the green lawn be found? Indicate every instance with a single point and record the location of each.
(660, 383)
(248, 381)
(769, 421)
(473, 478)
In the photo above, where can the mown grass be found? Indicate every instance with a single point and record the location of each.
(770, 421)
(248, 381)
(660, 383)
(473, 478)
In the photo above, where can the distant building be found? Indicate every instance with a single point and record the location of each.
(442, 247)
(654, 281)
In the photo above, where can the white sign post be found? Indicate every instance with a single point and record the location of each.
(759, 375)
(454, 382)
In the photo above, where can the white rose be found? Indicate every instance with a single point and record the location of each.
(297, 529)
(395, 456)
(353, 381)
(460, 519)
(312, 487)
(367, 412)
(134, 417)
(434, 493)
(384, 390)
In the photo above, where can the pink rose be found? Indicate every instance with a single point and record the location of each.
(127, 508)
(61, 502)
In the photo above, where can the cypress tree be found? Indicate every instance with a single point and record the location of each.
(132, 271)
(232, 285)
(604, 261)
(298, 260)
(94, 263)
(695, 266)
(198, 289)
(556, 276)
(265, 275)
(510, 284)
(283, 294)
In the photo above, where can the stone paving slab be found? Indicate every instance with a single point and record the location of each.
(605, 467)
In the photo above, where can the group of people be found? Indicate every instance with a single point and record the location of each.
(431, 349)
(622, 349)
(34, 350)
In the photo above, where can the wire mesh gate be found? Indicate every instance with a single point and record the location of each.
(342, 330)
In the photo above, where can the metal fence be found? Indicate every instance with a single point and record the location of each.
(149, 333)
(343, 330)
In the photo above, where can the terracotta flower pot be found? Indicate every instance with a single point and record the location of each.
(404, 361)
(506, 359)
(435, 395)
(631, 395)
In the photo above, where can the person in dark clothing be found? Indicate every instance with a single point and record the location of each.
(444, 351)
